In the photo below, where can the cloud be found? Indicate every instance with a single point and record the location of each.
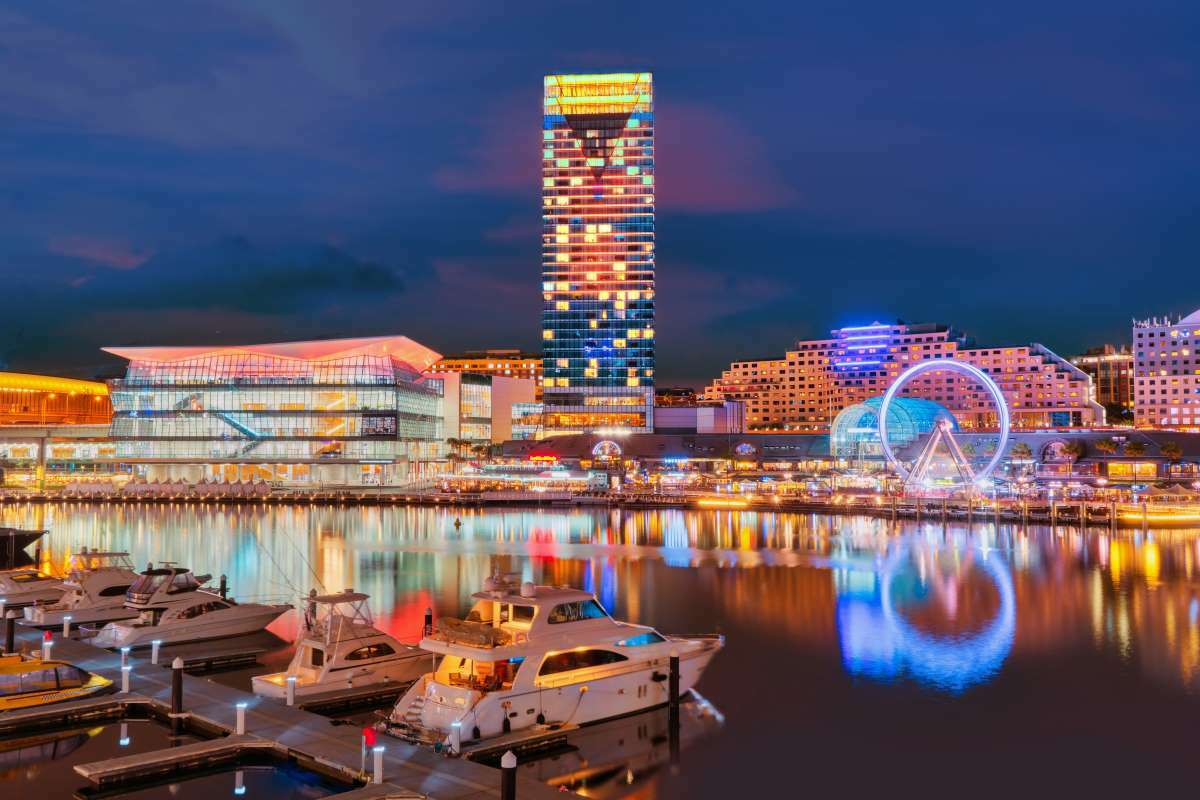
(235, 274)
(111, 253)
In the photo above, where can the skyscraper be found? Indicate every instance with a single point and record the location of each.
(598, 252)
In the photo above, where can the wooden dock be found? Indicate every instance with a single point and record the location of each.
(311, 740)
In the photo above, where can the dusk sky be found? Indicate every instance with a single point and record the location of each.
(264, 170)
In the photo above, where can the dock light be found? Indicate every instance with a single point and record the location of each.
(124, 740)
(47, 645)
(455, 737)
(377, 752)
(124, 657)
(154, 645)
(240, 728)
(291, 690)
(66, 626)
(125, 670)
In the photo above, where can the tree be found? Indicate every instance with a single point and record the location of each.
(968, 449)
(1135, 449)
(1073, 450)
(1107, 446)
(1171, 451)
(1020, 451)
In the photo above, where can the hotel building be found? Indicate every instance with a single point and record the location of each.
(1167, 372)
(336, 412)
(1111, 370)
(598, 252)
(806, 388)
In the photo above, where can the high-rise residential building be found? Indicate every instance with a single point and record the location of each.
(805, 388)
(1167, 372)
(598, 252)
(502, 362)
(1111, 369)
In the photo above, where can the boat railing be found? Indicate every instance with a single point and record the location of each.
(473, 634)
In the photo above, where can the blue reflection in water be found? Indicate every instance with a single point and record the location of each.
(877, 642)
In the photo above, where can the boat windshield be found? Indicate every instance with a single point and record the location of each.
(147, 584)
(48, 679)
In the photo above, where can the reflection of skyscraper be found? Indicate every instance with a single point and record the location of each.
(598, 252)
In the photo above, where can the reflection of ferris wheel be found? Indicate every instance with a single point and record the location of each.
(943, 433)
(953, 663)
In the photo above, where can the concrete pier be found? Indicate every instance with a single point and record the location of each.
(308, 738)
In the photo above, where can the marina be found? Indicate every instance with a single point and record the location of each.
(831, 625)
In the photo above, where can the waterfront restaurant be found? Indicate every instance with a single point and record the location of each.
(333, 412)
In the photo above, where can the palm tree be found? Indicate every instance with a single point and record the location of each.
(1171, 451)
(1135, 449)
(1073, 450)
(1107, 446)
(1020, 451)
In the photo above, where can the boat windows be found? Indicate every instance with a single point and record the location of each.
(316, 657)
(642, 639)
(182, 582)
(71, 677)
(113, 591)
(578, 659)
(39, 680)
(191, 612)
(147, 584)
(576, 612)
(370, 651)
(27, 577)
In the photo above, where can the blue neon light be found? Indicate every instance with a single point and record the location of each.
(874, 327)
(868, 336)
(857, 363)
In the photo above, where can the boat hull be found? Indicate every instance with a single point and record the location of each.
(396, 672)
(583, 702)
(42, 616)
(211, 626)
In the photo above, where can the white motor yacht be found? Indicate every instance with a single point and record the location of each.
(24, 587)
(340, 647)
(173, 608)
(539, 655)
(94, 591)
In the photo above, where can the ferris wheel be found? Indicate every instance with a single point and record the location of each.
(943, 433)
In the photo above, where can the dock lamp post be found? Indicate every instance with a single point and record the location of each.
(240, 726)
(124, 657)
(47, 645)
(377, 752)
(125, 670)
(67, 626)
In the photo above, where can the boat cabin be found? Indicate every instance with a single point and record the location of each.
(161, 583)
(27, 683)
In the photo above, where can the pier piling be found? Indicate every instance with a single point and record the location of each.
(224, 588)
(427, 630)
(10, 632)
(177, 696)
(508, 776)
(673, 706)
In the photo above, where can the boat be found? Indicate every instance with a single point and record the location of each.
(13, 542)
(172, 608)
(23, 587)
(95, 591)
(529, 655)
(33, 682)
(340, 647)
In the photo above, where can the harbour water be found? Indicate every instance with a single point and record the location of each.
(862, 656)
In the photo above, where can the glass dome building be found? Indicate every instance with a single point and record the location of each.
(855, 432)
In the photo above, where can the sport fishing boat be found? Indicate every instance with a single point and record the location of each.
(32, 682)
(95, 591)
(23, 587)
(531, 655)
(340, 647)
(173, 608)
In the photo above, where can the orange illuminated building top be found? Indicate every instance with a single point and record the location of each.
(45, 400)
(504, 362)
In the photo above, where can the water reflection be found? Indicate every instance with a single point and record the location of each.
(855, 606)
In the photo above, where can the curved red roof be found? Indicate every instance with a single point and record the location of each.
(400, 348)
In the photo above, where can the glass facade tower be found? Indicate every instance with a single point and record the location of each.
(598, 252)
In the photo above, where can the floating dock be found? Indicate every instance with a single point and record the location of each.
(310, 740)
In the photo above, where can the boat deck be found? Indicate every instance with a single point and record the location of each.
(299, 733)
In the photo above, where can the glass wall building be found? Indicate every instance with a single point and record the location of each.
(855, 431)
(344, 411)
(598, 252)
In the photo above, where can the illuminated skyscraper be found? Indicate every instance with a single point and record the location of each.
(598, 252)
